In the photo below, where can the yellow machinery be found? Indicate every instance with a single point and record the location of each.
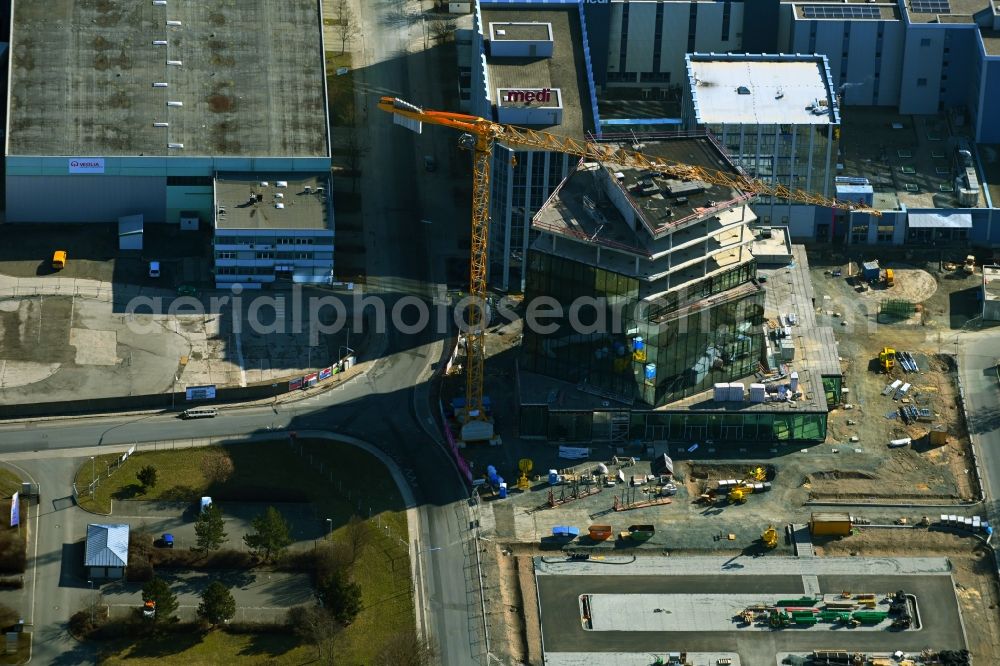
(739, 494)
(525, 465)
(890, 278)
(757, 474)
(770, 537)
(479, 135)
(970, 264)
(887, 358)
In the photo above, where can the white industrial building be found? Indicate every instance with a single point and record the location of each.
(271, 229)
(777, 118)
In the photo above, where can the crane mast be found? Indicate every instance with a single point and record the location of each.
(483, 135)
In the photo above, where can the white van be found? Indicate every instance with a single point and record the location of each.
(200, 413)
(154, 269)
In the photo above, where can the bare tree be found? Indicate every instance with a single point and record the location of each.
(345, 23)
(441, 31)
(217, 467)
(315, 626)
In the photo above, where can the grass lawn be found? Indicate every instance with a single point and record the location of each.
(340, 89)
(215, 647)
(10, 482)
(275, 471)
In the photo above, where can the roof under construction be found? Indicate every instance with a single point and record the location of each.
(101, 77)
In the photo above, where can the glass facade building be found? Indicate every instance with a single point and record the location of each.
(639, 350)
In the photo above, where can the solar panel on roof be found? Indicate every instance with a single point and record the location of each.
(841, 12)
(930, 6)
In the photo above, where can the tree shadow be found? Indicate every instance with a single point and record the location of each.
(179, 493)
(130, 491)
(164, 643)
(273, 644)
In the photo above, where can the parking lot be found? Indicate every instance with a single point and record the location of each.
(928, 580)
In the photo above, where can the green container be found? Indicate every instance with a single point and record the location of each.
(870, 617)
(805, 620)
(801, 601)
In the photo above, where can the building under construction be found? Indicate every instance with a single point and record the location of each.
(668, 308)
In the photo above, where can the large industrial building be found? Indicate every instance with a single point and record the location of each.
(530, 68)
(133, 108)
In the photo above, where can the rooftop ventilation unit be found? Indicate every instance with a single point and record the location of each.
(279, 206)
(161, 124)
(175, 103)
(307, 189)
(160, 84)
(176, 63)
(161, 3)
(159, 42)
(174, 23)
(281, 183)
(264, 183)
(279, 195)
(177, 146)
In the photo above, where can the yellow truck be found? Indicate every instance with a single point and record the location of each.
(59, 260)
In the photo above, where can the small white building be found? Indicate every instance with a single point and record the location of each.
(991, 293)
(106, 554)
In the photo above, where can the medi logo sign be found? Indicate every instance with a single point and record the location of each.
(86, 165)
(543, 95)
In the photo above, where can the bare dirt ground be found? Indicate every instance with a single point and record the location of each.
(919, 472)
(975, 577)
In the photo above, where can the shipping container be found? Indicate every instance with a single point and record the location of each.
(830, 524)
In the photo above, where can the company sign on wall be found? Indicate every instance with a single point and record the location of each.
(86, 165)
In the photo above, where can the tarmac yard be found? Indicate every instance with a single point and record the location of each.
(616, 582)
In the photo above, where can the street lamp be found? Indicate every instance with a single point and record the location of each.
(93, 475)
(92, 601)
(329, 526)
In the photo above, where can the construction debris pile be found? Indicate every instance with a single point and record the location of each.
(844, 610)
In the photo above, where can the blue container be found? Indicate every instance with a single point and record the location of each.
(638, 344)
(650, 372)
(553, 477)
(503, 491)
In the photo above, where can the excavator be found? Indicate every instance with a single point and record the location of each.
(743, 490)
(480, 135)
(770, 537)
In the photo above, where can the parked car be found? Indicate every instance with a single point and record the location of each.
(154, 269)
(205, 503)
(166, 541)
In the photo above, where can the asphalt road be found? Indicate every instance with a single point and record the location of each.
(978, 356)
(562, 630)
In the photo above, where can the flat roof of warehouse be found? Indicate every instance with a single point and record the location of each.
(753, 89)
(302, 206)
(250, 78)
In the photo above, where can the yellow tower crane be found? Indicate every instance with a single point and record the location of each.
(479, 135)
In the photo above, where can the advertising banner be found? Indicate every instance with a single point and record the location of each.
(325, 373)
(294, 383)
(15, 509)
(86, 165)
(311, 379)
(200, 393)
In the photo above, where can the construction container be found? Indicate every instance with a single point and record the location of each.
(641, 532)
(870, 270)
(937, 436)
(720, 392)
(805, 620)
(758, 393)
(830, 524)
(737, 392)
(793, 384)
(869, 616)
(787, 350)
(599, 532)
